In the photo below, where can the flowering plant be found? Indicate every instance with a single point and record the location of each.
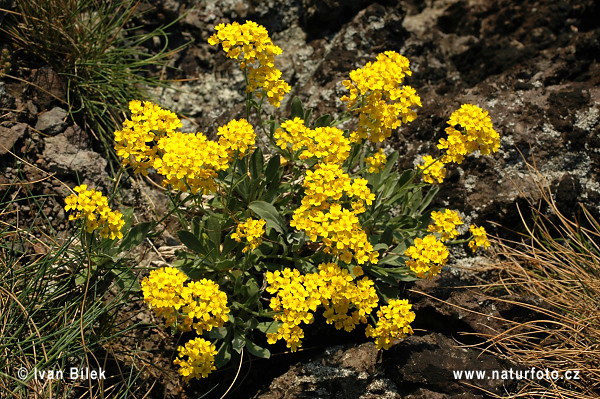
(312, 220)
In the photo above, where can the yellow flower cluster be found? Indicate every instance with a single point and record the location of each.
(476, 133)
(393, 323)
(470, 130)
(297, 296)
(134, 143)
(252, 230)
(200, 358)
(249, 43)
(339, 293)
(376, 162)
(428, 256)
(479, 238)
(445, 224)
(199, 304)
(432, 169)
(190, 160)
(291, 134)
(92, 206)
(237, 136)
(322, 215)
(187, 161)
(326, 144)
(379, 98)
(162, 292)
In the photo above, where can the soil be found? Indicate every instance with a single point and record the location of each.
(533, 64)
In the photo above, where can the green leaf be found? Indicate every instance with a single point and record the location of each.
(256, 350)
(223, 264)
(306, 118)
(405, 178)
(237, 277)
(409, 277)
(190, 241)
(403, 246)
(272, 168)
(391, 161)
(252, 293)
(126, 280)
(213, 229)
(224, 355)
(380, 246)
(135, 236)
(82, 276)
(391, 260)
(268, 212)
(217, 333)
(256, 163)
(323, 121)
(196, 226)
(387, 236)
(238, 342)
(268, 327)
(252, 323)
(428, 198)
(229, 245)
(297, 110)
(251, 287)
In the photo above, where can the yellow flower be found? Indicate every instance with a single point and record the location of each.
(326, 144)
(252, 230)
(376, 162)
(297, 296)
(187, 161)
(470, 129)
(432, 169)
(92, 206)
(249, 43)
(379, 98)
(292, 134)
(237, 136)
(393, 323)
(190, 160)
(135, 142)
(295, 302)
(479, 238)
(199, 304)
(428, 256)
(322, 215)
(445, 224)
(205, 306)
(162, 292)
(200, 360)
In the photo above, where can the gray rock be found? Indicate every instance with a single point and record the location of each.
(77, 137)
(66, 159)
(52, 122)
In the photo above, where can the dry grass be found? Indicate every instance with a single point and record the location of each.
(557, 264)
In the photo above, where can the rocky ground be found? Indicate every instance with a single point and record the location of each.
(533, 64)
